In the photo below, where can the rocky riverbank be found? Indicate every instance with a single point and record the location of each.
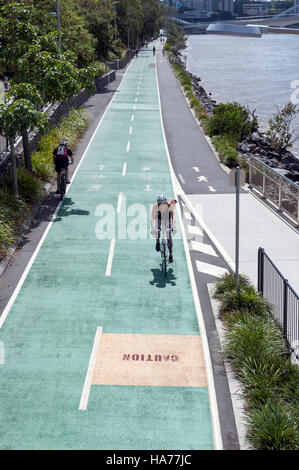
(257, 144)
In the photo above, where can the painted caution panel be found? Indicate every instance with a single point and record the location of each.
(153, 360)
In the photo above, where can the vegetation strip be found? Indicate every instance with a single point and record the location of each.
(256, 347)
(14, 210)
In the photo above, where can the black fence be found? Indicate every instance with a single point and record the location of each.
(284, 300)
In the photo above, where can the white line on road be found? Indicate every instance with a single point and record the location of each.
(182, 179)
(195, 230)
(136, 99)
(195, 168)
(110, 258)
(147, 188)
(187, 215)
(128, 146)
(210, 269)
(120, 198)
(130, 130)
(210, 188)
(124, 169)
(203, 248)
(134, 107)
(87, 384)
(132, 117)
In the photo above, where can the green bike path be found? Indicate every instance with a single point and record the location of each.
(139, 379)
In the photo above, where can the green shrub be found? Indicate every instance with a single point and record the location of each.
(194, 103)
(30, 187)
(70, 128)
(273, 427)
(232, 120)
(228, 282)
(247, 300)
(11, 206)
(7, 238)
(261, 378)
(255, 339)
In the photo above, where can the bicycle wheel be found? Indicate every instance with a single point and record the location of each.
(62, 186)
(164, 258)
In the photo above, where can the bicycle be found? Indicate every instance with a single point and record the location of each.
(62, 183)
(164, 248)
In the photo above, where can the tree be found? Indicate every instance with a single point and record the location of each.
(14, 117)
(280, 132)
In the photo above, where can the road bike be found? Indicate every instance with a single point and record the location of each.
(62, 183)
(164, 248)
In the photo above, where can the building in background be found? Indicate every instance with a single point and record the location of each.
(256, 9)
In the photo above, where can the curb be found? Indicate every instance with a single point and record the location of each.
(235, 387)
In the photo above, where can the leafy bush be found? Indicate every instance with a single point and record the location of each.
(70, 128)
(227, 282)
(30, 187)
(273, 427)
(7, 238)
(256, 338)
(256, 346)
(247, 300)
(232, 120)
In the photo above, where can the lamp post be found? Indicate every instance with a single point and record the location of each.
(114, 3)
(58, 23)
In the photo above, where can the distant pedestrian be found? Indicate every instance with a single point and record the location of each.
(7, 87)
(154, 50)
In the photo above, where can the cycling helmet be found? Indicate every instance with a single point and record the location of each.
(63, 142)
(162, 198)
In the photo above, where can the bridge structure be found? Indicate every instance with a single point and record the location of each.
(285, 19)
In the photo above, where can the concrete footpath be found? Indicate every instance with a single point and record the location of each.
(206, 185)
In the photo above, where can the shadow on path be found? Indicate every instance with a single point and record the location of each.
(65, 210)
(160, 280)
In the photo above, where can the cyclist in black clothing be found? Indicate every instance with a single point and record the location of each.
(61, 156)
(154, 50)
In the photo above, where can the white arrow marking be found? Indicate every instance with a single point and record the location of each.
(212, 189)
(201, 178)
(95, 187)
(146, 168)
(195, 168)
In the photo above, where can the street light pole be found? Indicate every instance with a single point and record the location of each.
(58, 24)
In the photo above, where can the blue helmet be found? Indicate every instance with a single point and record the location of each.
(162, 198)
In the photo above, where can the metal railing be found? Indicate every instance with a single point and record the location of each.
(274, 186)
(276, 289)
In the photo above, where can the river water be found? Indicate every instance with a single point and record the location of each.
(257, 72)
